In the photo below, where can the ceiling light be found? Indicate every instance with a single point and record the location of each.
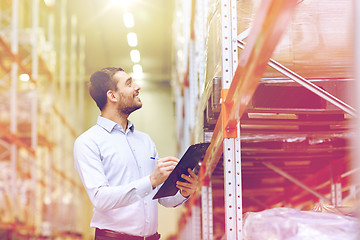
(132, 39)
(49, 2)
(135, 56)
(122, 3)
(128, 20)
(24, 77)
(138, 71)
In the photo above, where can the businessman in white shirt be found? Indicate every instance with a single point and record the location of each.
(120, 167)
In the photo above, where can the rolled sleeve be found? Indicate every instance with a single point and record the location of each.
(144, 187)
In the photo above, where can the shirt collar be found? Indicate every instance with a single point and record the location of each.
(109, 125)
(130, 126)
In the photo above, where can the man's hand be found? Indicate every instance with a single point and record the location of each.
(189, 187)
(162, 170)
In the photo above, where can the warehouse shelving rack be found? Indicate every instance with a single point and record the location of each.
(39, 195)
(225, 168)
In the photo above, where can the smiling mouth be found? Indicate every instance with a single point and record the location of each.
(137, 96)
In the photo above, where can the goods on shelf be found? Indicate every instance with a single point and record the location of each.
(295, 144)
(281, 110)
(316, 44)
(39, 195)
(287, 223)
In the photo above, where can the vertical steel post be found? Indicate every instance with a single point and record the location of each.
(210, 212)
(229, 188)
(356, 142)
(226, 43)
(336, 189)
(81, 82)
(196, 222)
(237, 145)
(193, 81)
(51, 33)
(229, 64)
(205, 214)
(206, 193)
(238, 182)
(234, 48)
(35, 70)
(80, 110)
(62, 109)
(336, 193)
(186, 131)
(51, 178)
(206, 206)
(13, 100)
(202, 10)
(73, 69)
(36, 200)
(73, 112)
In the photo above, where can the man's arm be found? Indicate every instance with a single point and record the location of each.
(102, 195)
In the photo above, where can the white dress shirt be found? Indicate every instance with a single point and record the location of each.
(115, 166)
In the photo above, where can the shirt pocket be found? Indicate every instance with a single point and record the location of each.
(119, 166)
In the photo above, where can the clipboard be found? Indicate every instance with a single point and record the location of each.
(191, 159)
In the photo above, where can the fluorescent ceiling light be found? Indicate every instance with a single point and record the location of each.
(122, 3)
(129, 20)
(24, 77)
(49, 2)
(132, 39)
(135, 55)
(137, 70)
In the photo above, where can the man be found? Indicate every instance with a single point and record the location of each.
(119, 166)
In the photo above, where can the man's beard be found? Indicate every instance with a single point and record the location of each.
(129, 109)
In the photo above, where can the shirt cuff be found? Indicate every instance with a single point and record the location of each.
(180, 198)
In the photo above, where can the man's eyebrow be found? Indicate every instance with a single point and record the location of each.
(128, 80)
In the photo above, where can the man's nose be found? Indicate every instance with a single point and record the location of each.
(137, 87)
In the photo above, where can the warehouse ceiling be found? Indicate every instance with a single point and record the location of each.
(102, 23)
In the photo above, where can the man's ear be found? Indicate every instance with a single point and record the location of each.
(111, 96)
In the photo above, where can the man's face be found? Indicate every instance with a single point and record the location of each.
(127, 93)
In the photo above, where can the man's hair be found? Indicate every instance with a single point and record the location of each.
(100, 82)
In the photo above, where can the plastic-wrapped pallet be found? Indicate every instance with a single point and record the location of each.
(316, 44)
(291, 224)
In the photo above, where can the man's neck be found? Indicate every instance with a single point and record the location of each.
(121, 119)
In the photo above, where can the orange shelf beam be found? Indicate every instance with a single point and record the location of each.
(269, 24)
(64, 121)
(16, 140)
(16, 59)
